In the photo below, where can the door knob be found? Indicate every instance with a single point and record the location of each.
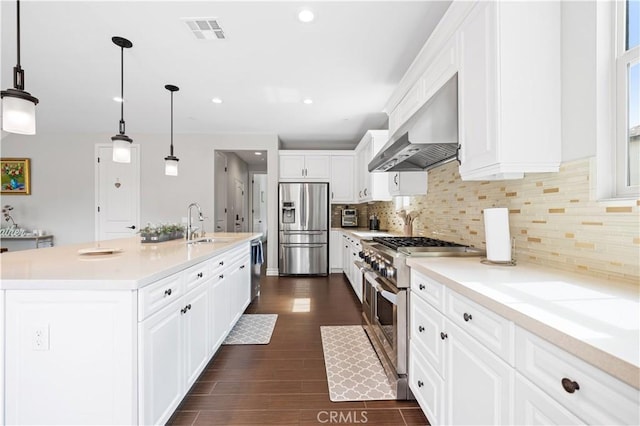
(131, 227)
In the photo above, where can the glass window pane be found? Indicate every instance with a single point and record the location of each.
(634, 124)
(633, 24)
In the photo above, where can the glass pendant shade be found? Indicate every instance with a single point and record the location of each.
(121, 149)
(171, 166)
(18, 114)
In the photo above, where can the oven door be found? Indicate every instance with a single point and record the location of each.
(385, 318)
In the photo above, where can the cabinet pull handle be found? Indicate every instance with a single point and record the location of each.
(467, 317)
(241, 266)
(420, 383)
(458, 154)
(183, 310)
(569, 385)
(395, 178)
(199, 275)
(420, 328)
(443, 335)
(221, 276)
(365, 192)
(189, 307)
(421, 287)
(167, 292)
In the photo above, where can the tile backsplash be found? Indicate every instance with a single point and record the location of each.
(552, 216)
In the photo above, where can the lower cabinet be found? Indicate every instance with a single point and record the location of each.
(534, 407)
(220, 314)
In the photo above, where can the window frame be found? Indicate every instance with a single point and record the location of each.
(622, 59)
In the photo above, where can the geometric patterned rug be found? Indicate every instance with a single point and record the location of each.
(353, 369)
(252, 329)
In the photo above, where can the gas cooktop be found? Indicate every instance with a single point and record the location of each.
(424, 246)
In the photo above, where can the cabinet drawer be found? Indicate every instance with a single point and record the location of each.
(492, 330)
(600, 399)
(430, 290)
(159, 294)
(426, 326)
(534, 407)
(197, 274)
(426, 385)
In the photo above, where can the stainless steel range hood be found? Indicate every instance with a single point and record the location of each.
(429, 138)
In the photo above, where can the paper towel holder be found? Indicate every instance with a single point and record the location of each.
(511, 262)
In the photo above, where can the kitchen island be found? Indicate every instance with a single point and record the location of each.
(538, 344)
(117, 337)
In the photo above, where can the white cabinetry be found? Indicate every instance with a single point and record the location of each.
(407, 183)
(342, 178)
(335, 251)
(509, 113)
(301, 165)
(455, 378)
(371, 186)
(352, 248)
(534, 407)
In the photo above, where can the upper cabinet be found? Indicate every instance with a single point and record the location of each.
(342, 178)
(407, 183)
(300, 165)
(371, 186)
(509, 90)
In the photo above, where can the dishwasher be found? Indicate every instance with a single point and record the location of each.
(257, 258)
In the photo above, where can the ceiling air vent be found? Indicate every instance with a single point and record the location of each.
(205, 28)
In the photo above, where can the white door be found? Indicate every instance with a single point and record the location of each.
(117, 194)
(220, 191)
(237, 209)
(259, 205)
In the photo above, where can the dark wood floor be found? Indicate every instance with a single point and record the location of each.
(284, 382)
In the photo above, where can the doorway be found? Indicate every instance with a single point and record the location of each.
(117, 194)
(259, 204)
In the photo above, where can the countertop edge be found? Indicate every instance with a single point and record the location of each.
(611, 364)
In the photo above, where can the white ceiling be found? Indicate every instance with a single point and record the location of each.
(348, 61)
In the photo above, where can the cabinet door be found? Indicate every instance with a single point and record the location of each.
(342, 179)
(335, 251)
(243, 287)
(220, 311)
(346, 254)
(195, 314)
(477, 88)
(161, 374)
(479, 384)
(317, 167)
(534, 407)
(427, 386)
(292, 166)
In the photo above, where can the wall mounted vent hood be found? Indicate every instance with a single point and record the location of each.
(428, 139)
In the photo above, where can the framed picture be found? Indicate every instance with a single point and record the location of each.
(15, 174)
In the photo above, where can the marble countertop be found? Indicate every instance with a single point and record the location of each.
(597, 320)
(135, 266)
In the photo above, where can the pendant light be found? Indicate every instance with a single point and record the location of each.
(18, 106)
(121, 142)
(171, 162)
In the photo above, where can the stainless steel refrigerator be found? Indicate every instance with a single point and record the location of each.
(303, 237)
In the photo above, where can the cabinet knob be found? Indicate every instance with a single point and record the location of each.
(420, 383)
(569, 385)
(221, 263)
(467, 317)
(420, 328)
(199, 275)
(189, 307)
(443, 335)
(183, 311)
(221, 276)
(421, 287)
(167, 292)
(241, 266)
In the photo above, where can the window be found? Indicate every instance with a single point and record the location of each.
(627, 156)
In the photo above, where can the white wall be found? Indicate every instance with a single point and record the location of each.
(62, 179)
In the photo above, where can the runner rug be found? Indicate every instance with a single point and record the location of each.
(252, 329)
(353, 369)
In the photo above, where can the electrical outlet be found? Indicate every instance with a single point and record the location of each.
(40, 337)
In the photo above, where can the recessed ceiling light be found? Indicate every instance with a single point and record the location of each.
(117, 99)
(306, 16)
(258, 153)
(307, 101)
(216, 100)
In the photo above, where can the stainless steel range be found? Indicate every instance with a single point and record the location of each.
(386, 282)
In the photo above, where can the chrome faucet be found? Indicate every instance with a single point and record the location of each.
(191, 232)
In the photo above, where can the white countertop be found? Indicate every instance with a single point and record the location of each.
(364, 233)
(137, 265)
(595, 319)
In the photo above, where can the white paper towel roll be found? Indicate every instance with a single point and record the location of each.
(496, 234)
